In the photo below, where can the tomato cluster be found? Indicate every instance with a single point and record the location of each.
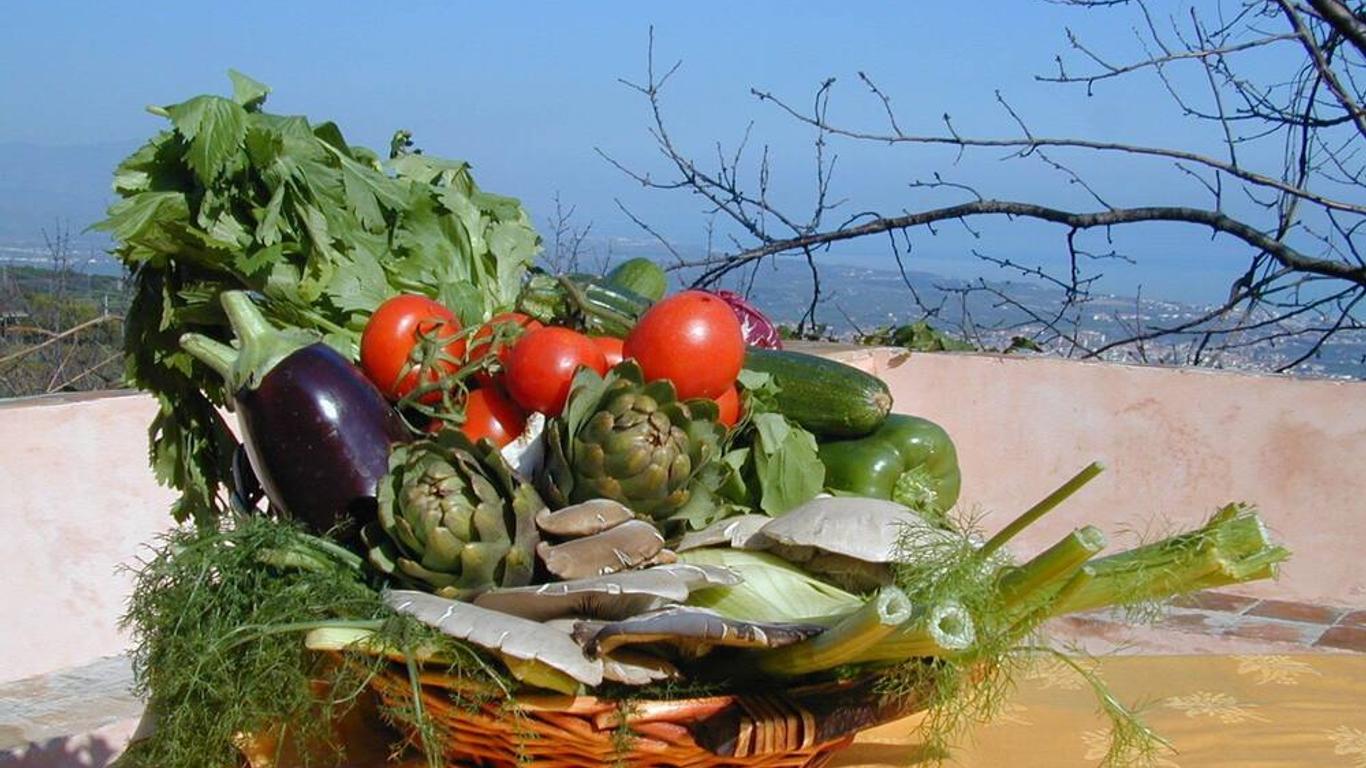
(412, 346)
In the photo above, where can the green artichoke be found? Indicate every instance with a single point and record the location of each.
(454, 519)
(623, 439)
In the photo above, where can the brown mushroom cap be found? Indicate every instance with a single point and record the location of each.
(615, 549)
(693, 631)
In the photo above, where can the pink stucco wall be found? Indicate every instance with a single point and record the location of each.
(1178, 443)
(78, 499)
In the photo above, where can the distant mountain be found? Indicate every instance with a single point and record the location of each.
(42, 187)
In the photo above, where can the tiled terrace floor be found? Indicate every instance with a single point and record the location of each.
(1214, 622)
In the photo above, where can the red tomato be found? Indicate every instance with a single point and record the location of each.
(542, 365)
(490, 413)
(692, 339)
(729, 404)
(390, 344)
(611, 348)
(515, 325)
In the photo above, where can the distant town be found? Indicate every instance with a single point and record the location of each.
(858, 300)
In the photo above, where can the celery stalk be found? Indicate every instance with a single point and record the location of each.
(1232, 547)
(1023, 585)
(843, 642)
(942, 630)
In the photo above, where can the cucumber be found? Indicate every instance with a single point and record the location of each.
(585, 302)
(641, 276)
(828, 398)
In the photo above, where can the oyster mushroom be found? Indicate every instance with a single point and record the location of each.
(629, 666)
(532, 651)
(693, 632)
(619, 548)
(615, 596)
(730, 532)
(850, 539)
(632, 667)
(583, 519)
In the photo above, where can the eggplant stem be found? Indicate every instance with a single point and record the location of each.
(211, 352)
(247, 322)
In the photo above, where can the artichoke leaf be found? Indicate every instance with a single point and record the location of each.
(511, 636)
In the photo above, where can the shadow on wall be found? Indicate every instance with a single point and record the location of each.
(83, 751)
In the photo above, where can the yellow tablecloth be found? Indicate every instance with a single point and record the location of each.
(1245, 711)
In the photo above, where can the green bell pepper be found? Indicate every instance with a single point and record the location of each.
(908, 459)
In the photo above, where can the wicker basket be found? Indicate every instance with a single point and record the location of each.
(798, 727)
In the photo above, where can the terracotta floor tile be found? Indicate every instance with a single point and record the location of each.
(1346, 638)
(1277, 631)
(1290, 611)
(1187, 622)
(1216, 601)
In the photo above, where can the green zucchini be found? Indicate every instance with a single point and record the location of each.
(828, 398)
(641, 276)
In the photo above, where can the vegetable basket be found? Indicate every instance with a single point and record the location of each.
(802, 726)
(439, 464)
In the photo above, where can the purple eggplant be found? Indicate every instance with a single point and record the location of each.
(317, 433)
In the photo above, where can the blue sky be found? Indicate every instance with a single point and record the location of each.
(527, 91)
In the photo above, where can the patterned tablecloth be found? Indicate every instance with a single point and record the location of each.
(1245, 711)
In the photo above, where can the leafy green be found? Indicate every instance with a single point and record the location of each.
(772, 462)
(786, 464)
(234, 198)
